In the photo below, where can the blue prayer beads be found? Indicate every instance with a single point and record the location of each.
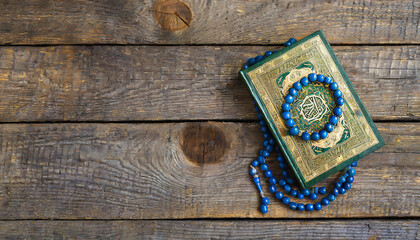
(270, 145)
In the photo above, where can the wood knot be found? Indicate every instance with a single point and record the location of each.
(172, 15)
(203, 143)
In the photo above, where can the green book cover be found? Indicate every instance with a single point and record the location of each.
(354, 136)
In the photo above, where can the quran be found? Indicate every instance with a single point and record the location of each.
(354, 135)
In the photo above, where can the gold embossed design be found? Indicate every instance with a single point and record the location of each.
(312, 164)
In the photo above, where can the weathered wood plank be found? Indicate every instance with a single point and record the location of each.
(213, 22)
(129, 83)
(154, 171)
(202, 229)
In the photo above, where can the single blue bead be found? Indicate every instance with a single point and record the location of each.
(312, 77)
(293, 193)
(269, 148)
(283, 165)
(245, 66)
(265, 143)
(285, 107)
(264, 129)
(320, 78)
(292, 205)
(346, 186)
(313, 196)
(278, 195)
(354, 164)
(340, 101)
(322, 190)
(306, 192)
(342, 179)
(265, 153)
(286, 44)
(351, 172)
(285, 200)
(334, 191)
(315, 136)
(346, 174)
(317, 206)
(255, 163)
(323, 134)
(290, 180)
(309, 207)
(350, 179)
(338, 111)
(333, 86)
(268, 174)
(284, 174)
(333, 120)
(297, 86)
(264, 167)
(338, 93)
(300, 195)
(251, 61)
(289, 98)
(331, 197)
(316, 190)
(337, 185)
(294, 131)
(271, 141)
(260, 116)
(253, 171)
(272, 189)
(327, 80)
(268, 53)
(306, 136)
(261, 159)
(258, 58)
(280, 158)
(290, 122)
(272, 180)
(292, 40)
(266, 135)
(329, 127)
(293, 92)
(304, 81)
(287, 188)
(342, 190)
(262, 123)
(265, 201)
(325, 202)
(301, 207)
(264, 208)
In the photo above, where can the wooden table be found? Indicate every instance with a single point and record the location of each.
(127, 119)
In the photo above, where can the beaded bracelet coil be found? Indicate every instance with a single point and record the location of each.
(290, 98)
(269, 145)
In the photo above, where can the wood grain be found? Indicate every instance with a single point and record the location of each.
(140, 171)
(155, 83)
(202, 229)
(214, 22)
